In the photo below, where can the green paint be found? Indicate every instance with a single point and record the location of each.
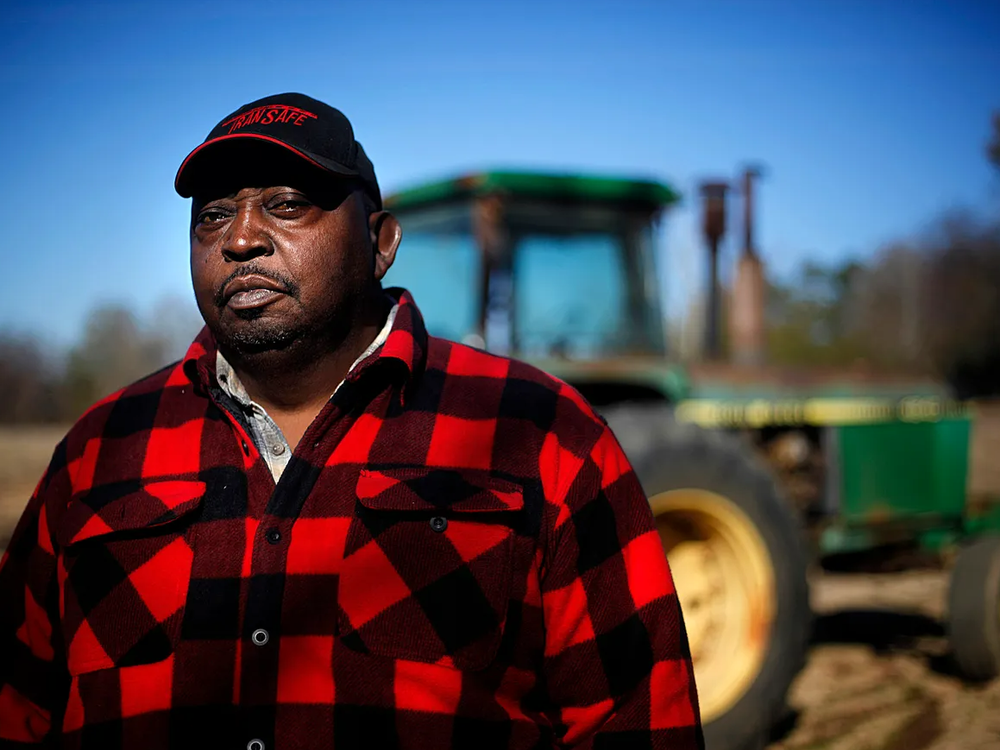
(669, 380)
(593, 188)
(900, 470)
(939, 540)
(983, 519)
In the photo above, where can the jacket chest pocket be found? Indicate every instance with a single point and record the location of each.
(124, 575)
(427, 566)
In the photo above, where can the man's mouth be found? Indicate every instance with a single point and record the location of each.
(249, 292)
(253, 298)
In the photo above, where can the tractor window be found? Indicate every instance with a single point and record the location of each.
(570, 294)
(585, 295)
(438, 262)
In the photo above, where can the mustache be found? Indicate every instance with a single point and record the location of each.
(252, 268)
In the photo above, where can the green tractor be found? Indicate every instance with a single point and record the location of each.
(753, 474)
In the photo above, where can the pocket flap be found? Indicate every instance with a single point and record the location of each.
(420, 489)
(113, 509)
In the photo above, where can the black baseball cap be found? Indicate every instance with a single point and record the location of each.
(282, 124)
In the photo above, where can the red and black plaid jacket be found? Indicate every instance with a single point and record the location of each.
(457, 555)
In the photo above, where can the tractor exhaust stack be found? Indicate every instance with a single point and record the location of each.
(714, 227)
(746, 312)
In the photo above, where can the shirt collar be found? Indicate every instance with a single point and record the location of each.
(230, 382)
(403, 342)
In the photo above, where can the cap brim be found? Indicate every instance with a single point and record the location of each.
(193, 167)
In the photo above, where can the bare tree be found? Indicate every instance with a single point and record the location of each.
(811, 317)
(173, 322)
(114, 351)
(961, 305)
(29, 386)
(886, 308)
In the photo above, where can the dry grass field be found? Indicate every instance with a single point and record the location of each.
(24, 454)
(878, 676)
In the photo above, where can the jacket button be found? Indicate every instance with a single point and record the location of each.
(260, 637)
(246, 448)
(273, 536)
(439, 523)
(255, 745)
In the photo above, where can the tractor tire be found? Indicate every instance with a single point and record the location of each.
(974, 610)
(738, 559)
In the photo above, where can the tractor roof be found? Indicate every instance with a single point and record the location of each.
(559, 187)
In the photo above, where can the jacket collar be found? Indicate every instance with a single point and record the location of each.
(406, 345)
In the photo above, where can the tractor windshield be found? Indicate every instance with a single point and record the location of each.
(567, 281)
(584, 283)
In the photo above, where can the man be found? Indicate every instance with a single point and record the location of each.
(325, 528)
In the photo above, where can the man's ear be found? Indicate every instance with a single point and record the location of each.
(385, 235)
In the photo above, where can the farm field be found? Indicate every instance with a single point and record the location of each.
(878, 675)
(24, 454)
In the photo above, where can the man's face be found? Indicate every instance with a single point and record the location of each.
(279, 254)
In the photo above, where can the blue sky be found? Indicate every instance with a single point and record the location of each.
(870, 116)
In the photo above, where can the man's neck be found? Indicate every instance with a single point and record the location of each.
(297, 381)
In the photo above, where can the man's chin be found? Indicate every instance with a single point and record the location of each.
(255, 336)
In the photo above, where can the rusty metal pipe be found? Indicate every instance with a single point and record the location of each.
(714, 227)
(746, 312)
(749, 175)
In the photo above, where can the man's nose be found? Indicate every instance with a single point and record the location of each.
(247, 235)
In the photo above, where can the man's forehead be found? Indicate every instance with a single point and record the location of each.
(241, 192)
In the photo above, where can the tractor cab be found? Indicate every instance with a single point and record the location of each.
(557, 270)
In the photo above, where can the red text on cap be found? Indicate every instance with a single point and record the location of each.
(268, 114)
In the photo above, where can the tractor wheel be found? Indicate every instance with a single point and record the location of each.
(974, 610)
(738, 561)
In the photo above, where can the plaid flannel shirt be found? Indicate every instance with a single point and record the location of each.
(457, 555)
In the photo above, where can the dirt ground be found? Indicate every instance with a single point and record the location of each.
(878, 675)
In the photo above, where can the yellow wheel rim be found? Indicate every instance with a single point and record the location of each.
(725, 583)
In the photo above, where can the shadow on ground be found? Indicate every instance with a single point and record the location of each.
(886, 632)
(883, 630)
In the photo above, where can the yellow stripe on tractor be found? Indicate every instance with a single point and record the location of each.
(817, 411)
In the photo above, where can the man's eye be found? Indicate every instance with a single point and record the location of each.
(290, 206)
(211, 216)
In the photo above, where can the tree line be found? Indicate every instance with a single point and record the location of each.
(929, 308)
(39, 384)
